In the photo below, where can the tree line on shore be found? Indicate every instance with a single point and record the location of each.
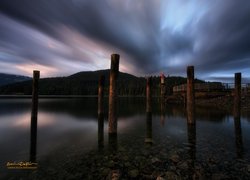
(86, 83)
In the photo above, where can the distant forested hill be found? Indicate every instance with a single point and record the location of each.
(10, 79)
(86, 83)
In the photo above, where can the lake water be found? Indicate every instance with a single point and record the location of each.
(71, 145)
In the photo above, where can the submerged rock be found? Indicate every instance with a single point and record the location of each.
(170, 175)
(160, 178)
(175, 158)
(133, 173)
(114, 175)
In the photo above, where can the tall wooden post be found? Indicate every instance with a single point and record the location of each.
(114, 71)
(101, 112)
(34, 110)
(190, 95)
(101, 94)
(237, 94)
(237, 107)
(148, 138)
(148, 95)
(163, 88)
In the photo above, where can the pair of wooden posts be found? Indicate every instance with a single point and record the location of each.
(112, 115)
(191, 95)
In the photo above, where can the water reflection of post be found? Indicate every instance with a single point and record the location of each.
(148, 138)
(163, 112)
(101, 112)
(192, 140)
(34, 110)
(112, 142)
(237, 122)
(191, 133)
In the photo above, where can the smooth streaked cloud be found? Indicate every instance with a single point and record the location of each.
(67, 36)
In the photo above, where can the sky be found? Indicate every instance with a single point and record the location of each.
(63, 37)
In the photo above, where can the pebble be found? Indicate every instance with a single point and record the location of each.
(175, 158)
(248, 168)
(133, 173)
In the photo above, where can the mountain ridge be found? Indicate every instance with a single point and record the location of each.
(86, 83)
(6, 78)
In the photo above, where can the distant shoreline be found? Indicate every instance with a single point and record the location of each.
(44, 96)
(55, 96)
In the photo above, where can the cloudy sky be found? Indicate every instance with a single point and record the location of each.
(62, 37)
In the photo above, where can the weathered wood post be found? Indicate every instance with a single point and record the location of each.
(114, 71)
(34, 110)
(163, 86)
(190, 95)
(100, 95)
(237, 94)
(148, 138)
(101, 112)
(163, 92)
(237, 107)
(148, 95)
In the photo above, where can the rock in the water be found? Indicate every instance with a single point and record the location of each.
(133, 173)
(248, 168)
(154, 160)
(175, 158)
(219, 176)
(114, 175)
(170, 175)
(105, 171)
(183, 166)
(160, 178)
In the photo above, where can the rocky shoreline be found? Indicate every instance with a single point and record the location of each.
(222, 102)
(156, 161)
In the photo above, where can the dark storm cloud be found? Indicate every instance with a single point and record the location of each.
(151, 36)
(225, 38)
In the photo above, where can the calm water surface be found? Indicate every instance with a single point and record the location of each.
(70, 144)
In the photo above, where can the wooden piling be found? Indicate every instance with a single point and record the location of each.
(190, 95)
(101, 94)
(114, 71)
(236, 113)
(34, 110)
(237, 94)
(163, 88)
(101, 112)
(148, 138)
(148, 95)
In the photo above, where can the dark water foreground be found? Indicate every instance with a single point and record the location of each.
(71, 144)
